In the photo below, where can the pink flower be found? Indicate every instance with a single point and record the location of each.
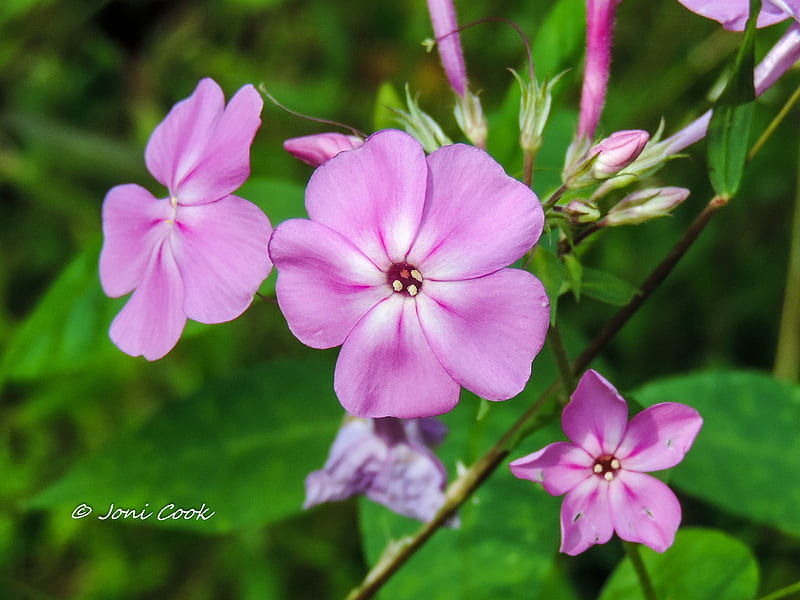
(445, 28)
(617, 151)
(402, 263)
(320, 147)
(389, 460)
(732, 14)
(201, 252)
(602, 469)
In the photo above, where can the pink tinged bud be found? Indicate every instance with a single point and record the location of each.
(320, 147)
(645, 205)
(732, 14)
(582, 211)
(599, 34)
(445, 25)
(617, 151)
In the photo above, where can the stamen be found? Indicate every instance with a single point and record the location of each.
(412, 290)
(598, 469)
(403, 277)
(609, 475)
(397, 285)
(615, 464)
(416, 275)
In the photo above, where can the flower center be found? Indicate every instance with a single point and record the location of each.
(404, 278)
(606, 466)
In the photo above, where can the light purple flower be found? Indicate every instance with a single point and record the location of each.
(201, 252)
(389, 460)
(320, 147)
(599, 35)
(445, 28)
(602, 469)
(617, 151)
(732, 14)
(402, 263)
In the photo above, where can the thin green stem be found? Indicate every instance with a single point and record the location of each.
(787, 353)
(555, 197)
(774, 124)
(783, 592)
(527, 175)
(556, 344)
(632, 549)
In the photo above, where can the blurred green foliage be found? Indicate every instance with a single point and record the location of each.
(228, 413)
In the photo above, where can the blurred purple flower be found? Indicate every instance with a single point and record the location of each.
(402, 263)
(445, 28)
(320, 147)
(201, 252)
(389, 460)
(732, 14)
(603, 468)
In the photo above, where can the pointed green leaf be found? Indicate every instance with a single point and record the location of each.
(606, 287)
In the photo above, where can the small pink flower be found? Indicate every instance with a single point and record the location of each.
(617, 151)
(201, 252)
(403, 264)
(391, 461)
(732, 14)
(603, 468)
(320, 147)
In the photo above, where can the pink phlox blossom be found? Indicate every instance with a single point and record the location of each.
(617, 151)
(201, 252)
(389, 460)
(402, 263)
(321, 147)
(732, 14)
(602, 469)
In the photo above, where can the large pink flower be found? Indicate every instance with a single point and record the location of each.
(402, 263)
(201, 252)
(602, 469)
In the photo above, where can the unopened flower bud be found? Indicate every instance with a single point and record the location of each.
(645, 205)
(617, 151)
(469, 116)
(534, 110)
(580, 211)
(320, 147)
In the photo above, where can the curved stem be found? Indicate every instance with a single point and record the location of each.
(632, 550)
(783, 592)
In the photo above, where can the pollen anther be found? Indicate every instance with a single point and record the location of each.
(608, 476)
(412, 290)
(615, 464)
(598, 469)
(416, 275)
(397, 285)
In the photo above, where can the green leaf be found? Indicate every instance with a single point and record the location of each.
(68, 329)
(574, 271)
(606, 287)
(746, 457)
(241, 446)
(551, 272)
(560, 37)
(387, 99)
(702, 564)
(728, 131)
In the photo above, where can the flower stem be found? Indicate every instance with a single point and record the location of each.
(555, 197)
(527, 176)
(774, 124)
(632, 550)
(783, 592)
(461, 489)
(787, 354)
(562, 362)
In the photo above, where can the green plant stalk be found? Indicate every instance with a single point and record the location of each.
(566, 375)
(632, 550)
(783, 592)
(787, 353)
(527, 175)
(774, 124)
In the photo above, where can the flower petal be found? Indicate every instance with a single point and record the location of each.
(659, 437)
(386, 367)
(477, 219)
(373, 195)
(224, 164)
(486, 331)
(585, 516)
(411, 483)
(151, 322)
(732, 14)
(179, 141)
(355, 458)
(596, 417)
(134, 224)
(325, 284)
(644, 510)
(559, 467)
(221, 249)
